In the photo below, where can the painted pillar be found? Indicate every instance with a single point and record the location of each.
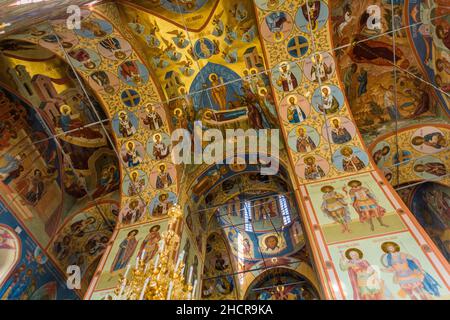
(365, 242)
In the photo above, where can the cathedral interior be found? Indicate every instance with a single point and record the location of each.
(97, 96)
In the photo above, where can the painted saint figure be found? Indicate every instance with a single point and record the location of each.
(150, 243)
(163, 180)
(409, 274)
(113, 46)
(365, 204)
(436, 140)
(101, 78)
(339, 134)
(320, 70)
(335, 207)
(365, 280)
(275, 22)
(311, 12)
(295, 113)
(83, 57)
(35, 190)
(133, 213)
(435, 168)
(304, 142)
(136, 185)
(163, 206)
(313, 171)
(126, 127)
(125, 252)
(132, 156)
(350, 161)
(287, 79)
(160, 150)
(218, 91)
(152, 119)
(329, 103)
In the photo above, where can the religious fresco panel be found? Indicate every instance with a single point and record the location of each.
(31, 275)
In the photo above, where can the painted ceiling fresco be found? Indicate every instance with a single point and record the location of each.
(358, 90)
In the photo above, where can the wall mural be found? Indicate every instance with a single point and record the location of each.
(361, 199)
(372, 102)
(128, 243)
(218, 280)
(49, 180)
(422, 150)
(430, 203)
(220, 65)
(192, 65)
(27, 274)
(429, 35)
(281, 284)
(255, 214)
(106, 61)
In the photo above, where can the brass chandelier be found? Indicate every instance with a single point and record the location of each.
(163, 279)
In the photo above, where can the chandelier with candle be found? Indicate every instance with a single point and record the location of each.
(163, 279)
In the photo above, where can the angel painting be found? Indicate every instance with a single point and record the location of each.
(179, 38)
(218, 25)
(170, 50)
(186, 67)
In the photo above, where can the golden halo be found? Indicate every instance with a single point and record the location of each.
(313, 58)
(127, 145)
(208, 115)
(212, 74)
(309, 157)
(346, 148)
(122, 112)
(337, 119)
(278, 36)
(354, 182)
(284, 64)
(347, 253)
(65, 107)
(292, 96)
(181, 89)
(300, 129)
(260, 91)
(178, 112)
(162, 165)
(155, 135)
(134, 172)
(327, 187)
(253, 69)
(326, 87)
(384, 246)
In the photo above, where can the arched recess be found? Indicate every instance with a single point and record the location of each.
(124, 84)
(54, 163)
(430, 204)
(281, 284)
(10, 251)
(256, 215)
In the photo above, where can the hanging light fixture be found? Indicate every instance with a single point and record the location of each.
(164, 278)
